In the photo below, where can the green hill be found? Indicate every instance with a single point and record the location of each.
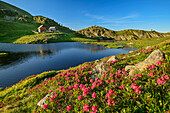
(10, 31)
(128, 34)
(15, 23)
(49, 22)
(6, 6)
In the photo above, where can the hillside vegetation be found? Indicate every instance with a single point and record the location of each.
(15, 23)
(74, 90)
(11, 8)
(49, 22)
(10, 31)
(129, 34)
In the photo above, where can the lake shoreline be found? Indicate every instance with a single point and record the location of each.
(26, 90)
(28, 59)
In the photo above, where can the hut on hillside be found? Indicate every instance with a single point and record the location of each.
(42, 28)
(52, 29)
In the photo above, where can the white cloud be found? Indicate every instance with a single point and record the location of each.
(94, 16)
(120, 20)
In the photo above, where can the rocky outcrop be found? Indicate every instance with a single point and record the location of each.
(113, 58)
(96, 31)
(128, 34)
(155, 56)
(42, 101)
(100, 69)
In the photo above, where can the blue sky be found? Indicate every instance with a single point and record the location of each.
(112, 14)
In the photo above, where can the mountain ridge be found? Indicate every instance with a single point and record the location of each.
(127, 34)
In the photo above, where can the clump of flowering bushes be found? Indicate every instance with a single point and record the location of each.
(115, 91)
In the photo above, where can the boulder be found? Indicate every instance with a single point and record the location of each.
(131, 51)
(42, 101)
(152, 59)
(45, 79)
(99, 70)
(129, 67)
(130, 43)
(113, 58)
(96, 61)
(148, 47)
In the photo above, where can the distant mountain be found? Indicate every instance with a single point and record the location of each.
(15, 22)
(128, 34)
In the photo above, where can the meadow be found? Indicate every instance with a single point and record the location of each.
(2, 54)
(73, 90)
(145, 42)
(10, 31)
(62, 37)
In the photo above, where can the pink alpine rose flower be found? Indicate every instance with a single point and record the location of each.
(166, 77)
(133, 86)
(107, 81)
(94, 95)
(80, 97)
(1, 105)
(86, 107)
(153, 66)
(124, 72)
(159, 62)
(134, 78)
(110, 101)
(85, 78)
(113, 80)
(151, 74)
(138, 75)
(122, 87)
(91, 80)
(160, 81)
(164, 51)
(69, 108)
(52, 99)
(95, 108)
(111, 75)
(45, 106)
(138, 89)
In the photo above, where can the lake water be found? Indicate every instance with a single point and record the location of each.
(24, 60)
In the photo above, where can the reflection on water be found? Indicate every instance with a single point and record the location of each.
(27, 59)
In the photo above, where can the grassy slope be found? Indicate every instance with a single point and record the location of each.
(2, 54)
(145, 42)
(10, 31)
(55, 37)
(59, 37)
(4, 5)
(23, 96)
(50, 38)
